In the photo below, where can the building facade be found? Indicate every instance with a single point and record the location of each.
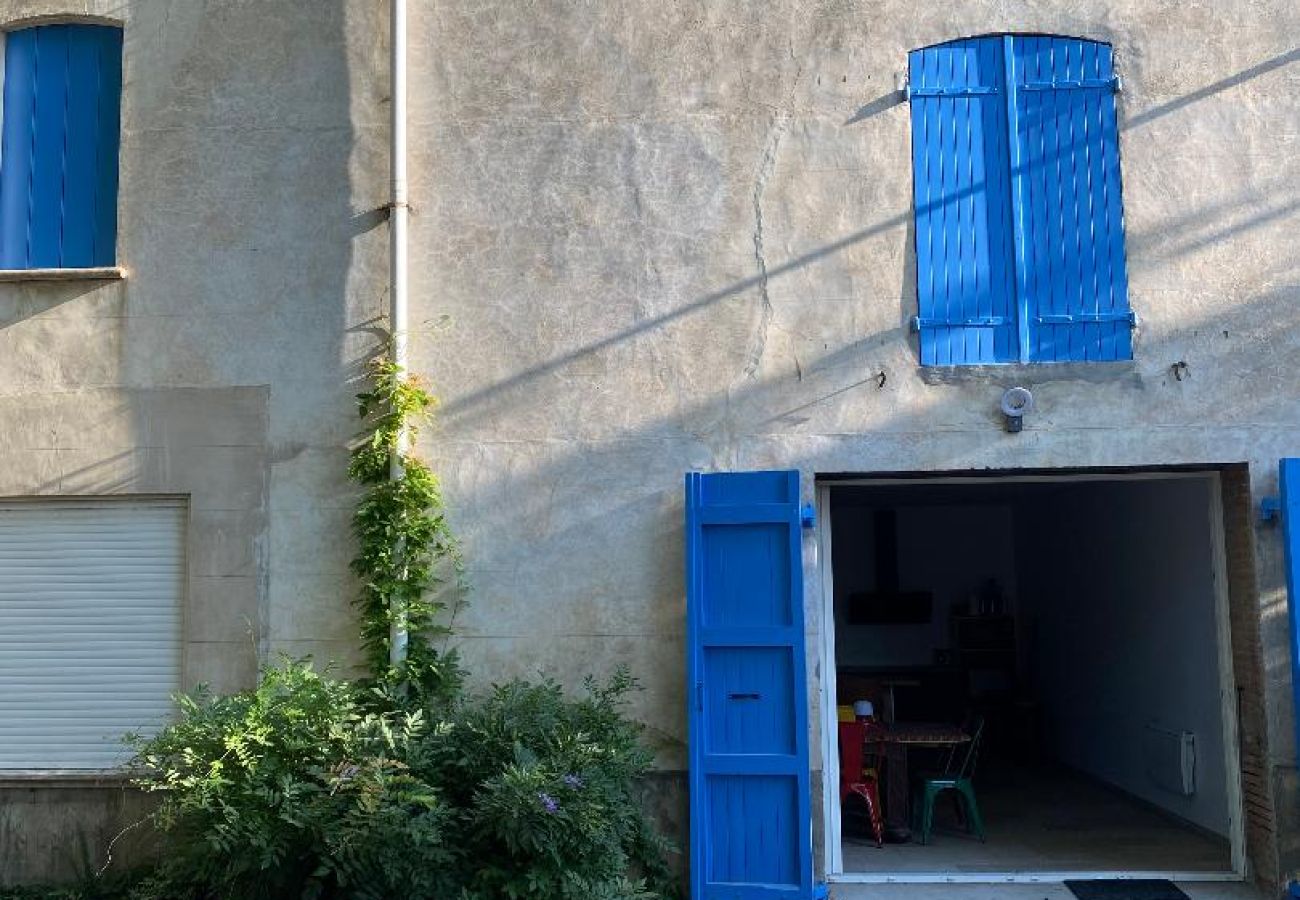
(647, 239)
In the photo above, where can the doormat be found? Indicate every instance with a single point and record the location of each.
(1126, 889)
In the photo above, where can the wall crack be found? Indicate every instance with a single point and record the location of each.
(766, 164)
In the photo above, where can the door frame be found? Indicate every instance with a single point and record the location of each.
(834, 856)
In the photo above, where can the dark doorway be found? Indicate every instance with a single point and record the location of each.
(1081, 624)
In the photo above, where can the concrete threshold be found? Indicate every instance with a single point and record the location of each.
(1203, 890)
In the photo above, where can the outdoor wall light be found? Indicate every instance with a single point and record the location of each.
(1016, 402)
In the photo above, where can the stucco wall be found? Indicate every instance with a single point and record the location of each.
(677, 236)
(647, 238)
(252, 160)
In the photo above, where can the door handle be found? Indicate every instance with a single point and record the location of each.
(744, 696)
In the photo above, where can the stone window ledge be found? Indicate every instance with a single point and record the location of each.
(1029, 373)
(95, 273)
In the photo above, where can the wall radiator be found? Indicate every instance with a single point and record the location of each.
(1170, 759)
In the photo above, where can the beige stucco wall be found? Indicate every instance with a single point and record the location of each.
(252, 162)
(647, 238)
(677, 236)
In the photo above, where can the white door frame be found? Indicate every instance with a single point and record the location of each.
(1227, 690)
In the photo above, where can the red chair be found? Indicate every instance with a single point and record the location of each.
(855, 778)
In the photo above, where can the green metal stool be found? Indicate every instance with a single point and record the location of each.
(930, 787)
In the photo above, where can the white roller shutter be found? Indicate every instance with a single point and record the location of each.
(90, 623)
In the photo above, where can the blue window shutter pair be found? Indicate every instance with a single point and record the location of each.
(1019, 222)
(751, 822)
(59, 146)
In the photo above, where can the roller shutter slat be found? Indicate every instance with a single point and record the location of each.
(90, 618)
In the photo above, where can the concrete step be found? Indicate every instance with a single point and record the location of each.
(1045, 891)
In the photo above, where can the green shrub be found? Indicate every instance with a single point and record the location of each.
(396, 785)
(546, 786)
(310, 787)
(91, 888)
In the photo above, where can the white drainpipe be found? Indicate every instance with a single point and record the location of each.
(399, 212)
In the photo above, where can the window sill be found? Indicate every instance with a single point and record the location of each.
(1035, 373)
(95, 273)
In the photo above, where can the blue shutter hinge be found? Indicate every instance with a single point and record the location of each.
(808, 516)
(1071, 84)
(918, 322)
(1088, 318)
(973, 90)
(1270, 509)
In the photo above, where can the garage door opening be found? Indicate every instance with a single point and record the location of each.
(1058, 647)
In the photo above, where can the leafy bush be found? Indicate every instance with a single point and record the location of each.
(91, 888)
(397, 785)
(311, 787)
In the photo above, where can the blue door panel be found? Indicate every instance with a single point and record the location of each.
(750, 701)
(747, 575)
(741, 488)
(751, 826)
(1289, 478)
(754, 819)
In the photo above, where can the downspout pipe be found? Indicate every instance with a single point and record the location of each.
(399, 215)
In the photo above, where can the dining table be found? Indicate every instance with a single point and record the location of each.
(891, 742)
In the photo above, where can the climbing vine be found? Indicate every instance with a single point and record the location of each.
(405, 545)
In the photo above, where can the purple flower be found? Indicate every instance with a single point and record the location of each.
(549, 803)
(572, 781)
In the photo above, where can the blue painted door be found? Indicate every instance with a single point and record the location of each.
(751, 825)
(1289, 478)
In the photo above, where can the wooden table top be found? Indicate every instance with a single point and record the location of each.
(930, 733)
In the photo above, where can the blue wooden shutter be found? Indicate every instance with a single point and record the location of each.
(1067, 185)
(751, 824)
(59, 146)
(1289, 488)
(965, 280)
(1019, 217)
